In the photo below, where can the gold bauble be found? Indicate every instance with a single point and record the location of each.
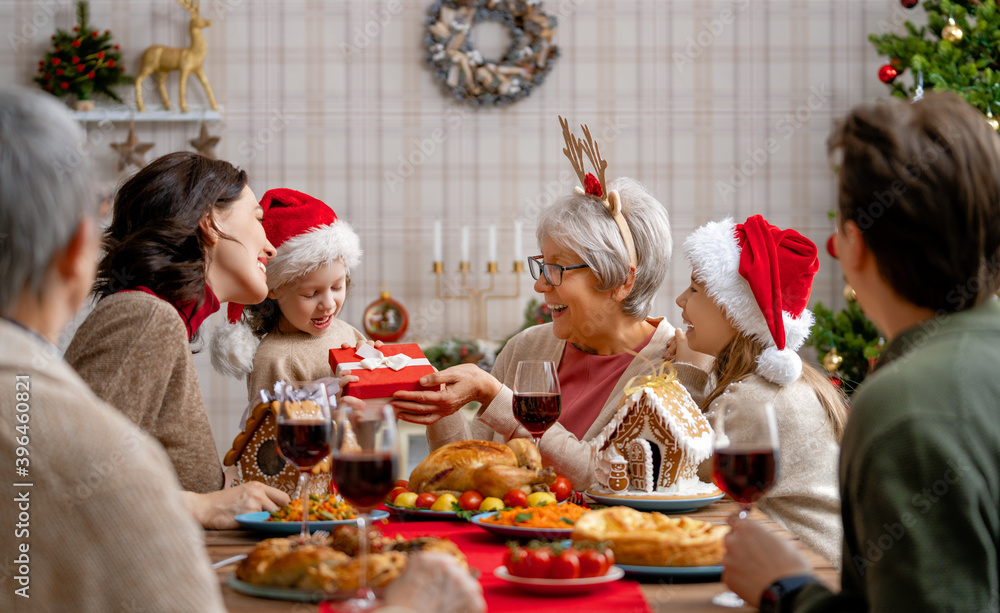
(993, 122)
(952, 33)
(832, 361)
(849, 294)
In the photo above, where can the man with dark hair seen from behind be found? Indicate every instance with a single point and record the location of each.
(919, 241)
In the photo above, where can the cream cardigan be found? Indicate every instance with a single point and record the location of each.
(109, 528)
(571, 457)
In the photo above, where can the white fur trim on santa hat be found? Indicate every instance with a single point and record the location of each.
(714, 254)
(308, 251)
(233, 348)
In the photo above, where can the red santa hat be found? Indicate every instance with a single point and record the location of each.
(761, 276)
(307, 235)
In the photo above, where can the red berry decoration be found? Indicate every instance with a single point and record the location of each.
(909, 3)
(592, 186)
(887, 74)
(831, 246)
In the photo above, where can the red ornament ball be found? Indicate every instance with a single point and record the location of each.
(831, 246)
(836, 381)
(887, 74)
(909, 3)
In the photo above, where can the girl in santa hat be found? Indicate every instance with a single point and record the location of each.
(288, 336)
(746, 308)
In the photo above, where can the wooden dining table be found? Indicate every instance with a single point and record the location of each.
(660, 594)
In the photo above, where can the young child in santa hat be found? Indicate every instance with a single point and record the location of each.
(746, 307)
(288, 336)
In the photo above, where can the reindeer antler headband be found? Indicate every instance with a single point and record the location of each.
(596, 186)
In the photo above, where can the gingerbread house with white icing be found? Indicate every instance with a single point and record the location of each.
(255, 455)
(661, 433)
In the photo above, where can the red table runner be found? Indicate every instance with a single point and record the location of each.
(484, 552)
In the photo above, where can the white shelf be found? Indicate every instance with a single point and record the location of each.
(151, 114)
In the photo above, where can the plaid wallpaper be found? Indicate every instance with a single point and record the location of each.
(718, 107)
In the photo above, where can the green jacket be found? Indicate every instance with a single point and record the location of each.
(920, 474)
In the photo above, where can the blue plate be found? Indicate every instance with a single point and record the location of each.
(519, 532)
(666, 504)
(289, 593)
(713, 573)
(258, 521)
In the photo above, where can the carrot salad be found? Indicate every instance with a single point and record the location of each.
(547, 516)
(325, 508)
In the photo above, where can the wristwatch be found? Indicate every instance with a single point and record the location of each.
(779, 596)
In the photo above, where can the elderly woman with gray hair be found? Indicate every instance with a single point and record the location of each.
(600, 302)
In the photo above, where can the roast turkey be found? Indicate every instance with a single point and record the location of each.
(490, 468)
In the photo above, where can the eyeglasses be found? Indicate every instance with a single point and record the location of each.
(553, 272)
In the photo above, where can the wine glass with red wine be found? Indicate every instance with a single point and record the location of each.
(746, 459)
(365, 465)
(304, 429)
(537, 400)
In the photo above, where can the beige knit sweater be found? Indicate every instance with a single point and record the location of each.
(806, 497)
(297, 356)
(107, 527)
(572, 458)
(133, 351)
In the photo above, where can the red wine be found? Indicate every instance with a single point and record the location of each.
(304, 443)
(745, 473)
(536, 412)
(364, 478)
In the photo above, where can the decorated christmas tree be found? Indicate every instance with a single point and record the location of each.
(846, 342)
(956, 51)
(83, 62)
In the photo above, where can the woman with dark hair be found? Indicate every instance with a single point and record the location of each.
(186, 235)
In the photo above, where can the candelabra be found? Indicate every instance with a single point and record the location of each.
(478, 298)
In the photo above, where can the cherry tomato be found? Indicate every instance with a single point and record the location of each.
(426, 500)
(396, 491)
(593, 563)
(402, 483)
(562, 488)
(514, 559)
(470, 500)
(515, 498)
(566, 565)
(536, 563)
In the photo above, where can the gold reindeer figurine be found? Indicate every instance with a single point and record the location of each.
(162, 59)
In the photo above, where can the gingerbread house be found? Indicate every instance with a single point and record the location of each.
(255, 455)
(661, 433)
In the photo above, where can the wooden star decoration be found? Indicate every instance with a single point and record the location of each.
(131, 151)
(205, 144)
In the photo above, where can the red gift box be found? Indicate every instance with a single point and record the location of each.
(383, 379)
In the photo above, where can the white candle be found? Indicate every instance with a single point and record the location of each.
(517, 240)
(491, 244)
(465, 244)
(437, 241)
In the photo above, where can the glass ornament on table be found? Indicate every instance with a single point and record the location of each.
(364, 469)
(303, 432)
(746, 459)
(537, 398)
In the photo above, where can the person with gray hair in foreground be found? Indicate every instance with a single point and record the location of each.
(101, 521)
(600, 292)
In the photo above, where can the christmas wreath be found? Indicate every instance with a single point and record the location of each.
(464, 71)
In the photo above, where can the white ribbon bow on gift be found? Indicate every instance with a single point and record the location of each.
(372, 358)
